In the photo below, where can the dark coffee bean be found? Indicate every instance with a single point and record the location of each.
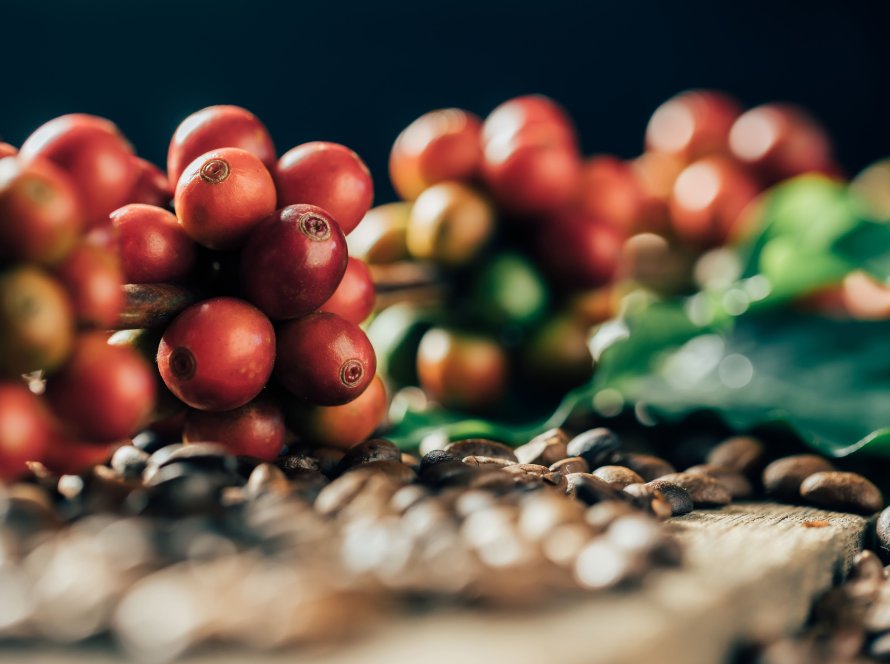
(157, 458)
(570, 465)
(375, 449)
(26, 510)
(293, 464)
(678, 497)
(395, 470)
(341, 491)
(308, 484)
(617, 476)
(129, 462)
(265, 479)
(246, 465)
(104, 490)
(737, 484)
(594, 446)
(591, 489)
(437, 456)
(328, 459)
(149, 441)
(493, 480)
(647, 466)
(447, 473)
(181, 488)
(848, 492)
(882, 528)
(704, 491)
(651, 500)
(487, 461)
(742, 453)
(480, 447)
(866, 567)
(783, 477)
(212, 456)
(545, 449)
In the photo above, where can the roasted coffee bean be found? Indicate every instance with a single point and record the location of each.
(395, 470)
(735, 482)
(617, 476)
(742, 453)
(647, 466)
(487, 461)
(447, 473)
(480, 447)
(543, 511)
(651, 499)
(129, 461)
(410, 460)
(703, 490)
(295, 463)
(437, 456)
(341, 492)
(866, 568)
(882, 528)
(182, 489)
(570, 465)
(591, 489)
(207, 455)
(375, 449)
(848, 492)
(594, 446)
(157, 458)
(545, 449)
(308, 484)
(678, 497)
(783, 477)
(602, 564)
(266, 479)
(149, 441)
(328, 459)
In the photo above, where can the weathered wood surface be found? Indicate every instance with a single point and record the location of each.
(752, 571)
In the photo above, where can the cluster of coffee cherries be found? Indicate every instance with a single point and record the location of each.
(238, 304)
(540, 243)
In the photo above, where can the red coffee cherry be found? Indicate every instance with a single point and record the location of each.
(329, 176)
(354, 297)
(25, 429)
(610, 191)
(40, 215)
(579, 252)
(693, 124)
(462, 370)
(341, 426)
(543, 116)
(255, 429)
(217, 127)
(324, 359)
(93, 278)
(438, 146)
(780, 141)
(36, 322)
(7, 150)
(153, 246)
(94, 154)
(103, 393)
(218, 354)
(152, 186)
(293, 261)
(65, 455)
(222, 195)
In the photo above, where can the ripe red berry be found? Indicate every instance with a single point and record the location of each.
(25, 429)
(65, 455)
(329, 176)
(40, 215)
(341, 426)
(94, 154)
(217, 127)
(324, 359)
(218, 354)
(103, 393)
(610, 191)
(547, 119)
(92, 276)
(293, 261)
(222, 195)
(152, 186)
(354, 297)
(438, 146)
(693, 124)
(255, 429)
(579, 252)
(153, 246)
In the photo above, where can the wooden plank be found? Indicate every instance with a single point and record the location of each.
(752, 571)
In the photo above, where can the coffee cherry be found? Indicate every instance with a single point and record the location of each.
(461, 369)
(547, 119)
(94, 281)
(871, 188)
(780, 141)
(509, 292)
(145, 343)
(324, 359)
(94, 154)
(437, 146)
(693, 124)
(218, 354)
(329, 176)
(579, 252)
(354, 297)
(708, 197)
(152, 186)
(153, 246)
(380, 237)
(40, 215)
(25, 429)
(557, 357)
(36, 322)
(222, 195)
(293, 261)
(450, 223)
(610, 191)
(103, 393)
(341, 426)
(65, 455)
(7, 150)
(255, 429)
(218, 127)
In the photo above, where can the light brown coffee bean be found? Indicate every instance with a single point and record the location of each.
(375, 449)
(617, 476)
(487, 461)
(783, 477)
(395, 470)
(677, 497)
(647, 466)
(735, 482)
(742, 453)
(591, 489)
(652, 499)
(703, 490)
(570, 465)
(480, 447)
(848, 492)
(545, 449)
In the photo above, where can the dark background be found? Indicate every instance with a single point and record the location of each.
(356, 73)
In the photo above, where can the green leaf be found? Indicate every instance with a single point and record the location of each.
(867, 246)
